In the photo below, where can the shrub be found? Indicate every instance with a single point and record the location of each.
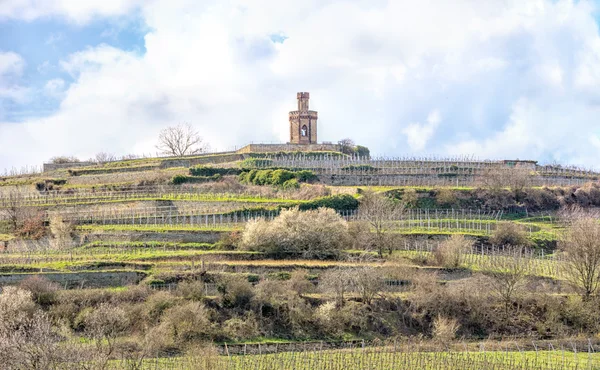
(179, 179)
(42, 290)
(158, 303)
(241, 328)
(291, 184)
(182, 179)
(363, 151)
(410, 197)
(444, 328)
(192, 290)
(212, 171)
(450, 252)
(445, 197)
(187, 322)
(318, 233)
(306, 176)
(343, 202)
(279, 177)
(508, 233)
(235, 291)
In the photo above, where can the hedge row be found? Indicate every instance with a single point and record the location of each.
(279, 177)
(183, 179)
(211, 171)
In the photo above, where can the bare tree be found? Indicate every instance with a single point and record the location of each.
(27, 338)
(346, 146)
(336, 282)
(369, 282)
(103, 326)
(508, 275)
(581, 249)
(516, 179)
(103, 157)
(381, 213)
(64, 159)
(180, 140)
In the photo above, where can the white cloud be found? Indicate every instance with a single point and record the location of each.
(11, 69)
(512, 78)
(55, 88)
(78, 11)
(418, 134)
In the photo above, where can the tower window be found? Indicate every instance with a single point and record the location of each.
(303, 131)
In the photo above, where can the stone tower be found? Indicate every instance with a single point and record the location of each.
(303, 122)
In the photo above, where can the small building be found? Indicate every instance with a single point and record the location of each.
(303, 122)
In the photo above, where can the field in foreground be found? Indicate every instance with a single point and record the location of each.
(381, 359)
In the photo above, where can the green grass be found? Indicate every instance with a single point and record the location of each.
(5, 237)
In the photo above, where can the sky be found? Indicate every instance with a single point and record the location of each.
(486, 79)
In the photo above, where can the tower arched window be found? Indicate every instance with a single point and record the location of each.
(304, 130)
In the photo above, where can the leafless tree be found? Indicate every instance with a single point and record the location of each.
(180, 140)
(64, 159)
(508, 273)
(27, 338)
(381, 213)
(581, 249)
(516, 179)
(336, 282)
(369, 282)
(346, 146)
(103, 326)
(104, 157)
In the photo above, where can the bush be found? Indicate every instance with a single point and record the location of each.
(508, 233)
(450, 252)
(235, 291)
(291, 184)
(343, 202)
(410, 197)
(192, 290)
(318, 233)
(179, 179)
(212, 171)
(363, 151)
(187, 322)
(306, 176)
(444, 328)
(42, 290)
(280, 177)
(241, 328)
(182, 179)
(445, 197)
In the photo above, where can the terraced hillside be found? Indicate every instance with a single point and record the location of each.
(145, 259)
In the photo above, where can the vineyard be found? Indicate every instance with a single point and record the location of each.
(161, 263)
(375, 358)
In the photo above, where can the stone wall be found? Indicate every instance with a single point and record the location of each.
(271, 148)
(61, 166)
(80, 279)
(176, 237)
(209, 159)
